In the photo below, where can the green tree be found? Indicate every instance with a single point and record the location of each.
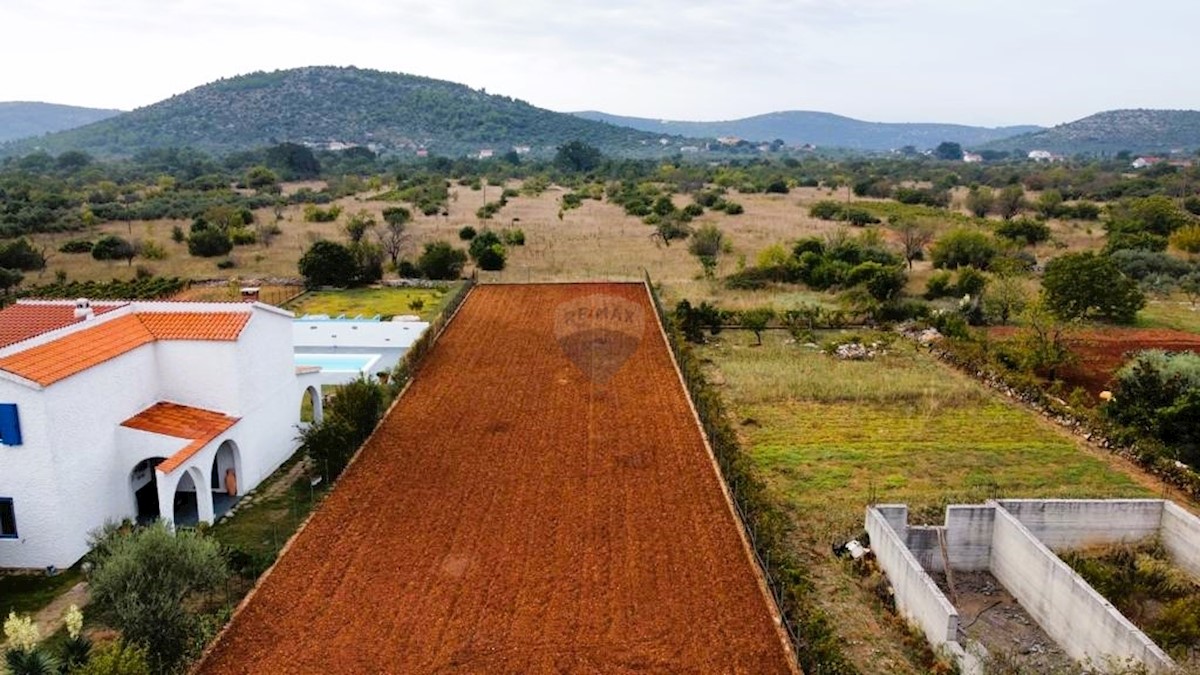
(963, 247)
(1049, 203)
(913, 239)
(262, 179)
(1086, 285)
(980, 200)
(10, 279)
(145, 583)
(1187, 239)
(756, 320)
(112, 247)
(358, 225)
(1157, 214)
(440, 260)
(706, 244)
(394, 232)
(577, 157)
(949, 151)
(328, 263)
(208, 242)
(1010, 201)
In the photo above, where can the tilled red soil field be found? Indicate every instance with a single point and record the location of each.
(1101, 353)
(540, 501)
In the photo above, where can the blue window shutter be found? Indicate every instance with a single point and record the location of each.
(10, 424)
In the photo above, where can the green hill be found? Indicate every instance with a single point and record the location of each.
(22, 119)
(328, 105)
(797, 127)
(1139, 131)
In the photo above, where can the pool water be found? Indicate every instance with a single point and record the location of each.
(338, 363)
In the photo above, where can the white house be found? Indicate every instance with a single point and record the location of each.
(345, 349)
(136, 410)
(1143, 162)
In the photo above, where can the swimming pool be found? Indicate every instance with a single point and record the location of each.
(339, 363)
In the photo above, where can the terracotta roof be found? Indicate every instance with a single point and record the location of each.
(24, 320)
(181, 421)
(76, 352)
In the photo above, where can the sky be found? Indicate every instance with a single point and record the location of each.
(982, 62)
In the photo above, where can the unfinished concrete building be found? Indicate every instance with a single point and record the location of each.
(1015, 540)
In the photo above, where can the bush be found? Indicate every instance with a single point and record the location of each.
(316, 214)
(963, 247)
(144, 581)
(209, 242)
(467, 233)
(733, 208)
(328, 263)
(826, 210)
(1158, 396)
(152, 250)
(110, 247)
(492, 258)
(1024, 230)
(514, 237)
(76, 246)
(441, 261)
(242, 236)
(349, 419)
(939, 285)
(1086, 285)
(116, 658)
(858, 216)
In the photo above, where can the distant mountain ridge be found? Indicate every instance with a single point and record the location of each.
(342, 106)
(797, 127)
(23, 119)
(1110, 132)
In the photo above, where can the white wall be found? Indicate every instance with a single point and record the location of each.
(72, 471)
(332, 334)
(917, 596)
(1180, 535)
(1082, 622)
(1078, 523)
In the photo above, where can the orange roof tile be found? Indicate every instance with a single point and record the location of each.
(195, 325)
(48, 363)
(181, 421)
(74, 353)
(24, 320)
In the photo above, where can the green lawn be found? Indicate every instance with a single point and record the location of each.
(263, 527)
(368, 302)
(28, 593)
(1174, 314)
(833, 436)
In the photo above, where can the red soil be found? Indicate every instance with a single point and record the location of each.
(519, 513)
(1101, 353)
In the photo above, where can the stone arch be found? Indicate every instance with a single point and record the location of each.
(312, 408)
(226, 465)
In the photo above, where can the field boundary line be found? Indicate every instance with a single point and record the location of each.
(262, 579)
(740, 524)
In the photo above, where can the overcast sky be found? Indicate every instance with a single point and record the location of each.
(987, 62)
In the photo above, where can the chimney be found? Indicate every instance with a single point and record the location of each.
(250, 294)
(83, 310)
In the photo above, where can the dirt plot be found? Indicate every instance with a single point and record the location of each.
(555, 512)
(1101, 353)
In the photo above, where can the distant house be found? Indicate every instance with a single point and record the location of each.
(729, 140)
(689, 148)
(1143, 162)
(486, 153)
(972, 158)
(1041, 155)
(521, 149)
(136, 410)
(422, 152)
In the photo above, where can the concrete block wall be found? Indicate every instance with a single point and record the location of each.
(1078, 523)
(1082, 622)
(917, 597)
(968, 533)
(1180, 536)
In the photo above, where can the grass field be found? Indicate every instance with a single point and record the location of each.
(831, 437)
(1174, 314)
(368, 302)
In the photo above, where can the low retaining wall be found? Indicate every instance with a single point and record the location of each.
(1013, 540)
(917, 596)
(1083, 623)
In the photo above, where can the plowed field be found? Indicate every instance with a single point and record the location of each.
(540, 501)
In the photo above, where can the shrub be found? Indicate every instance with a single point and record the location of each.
(1024, 230)
(513, 237)
(110, 247)
(733, 208)
(152, 250)
(441, 261)
(970, 282)
(858, 216)
(826, 210)
(492, 258)
(962, 247)
(467, 233)
(76, 246)
(328, 263)
(144, 580)
(939, 285)
(116, 658)
(177, 234)
(316, 214)
(241, 236)
(1086, 285)
(209, 242)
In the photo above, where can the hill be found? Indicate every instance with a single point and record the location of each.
(1113, 131)
(797, 127)
(22, 119)
(327, 106)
